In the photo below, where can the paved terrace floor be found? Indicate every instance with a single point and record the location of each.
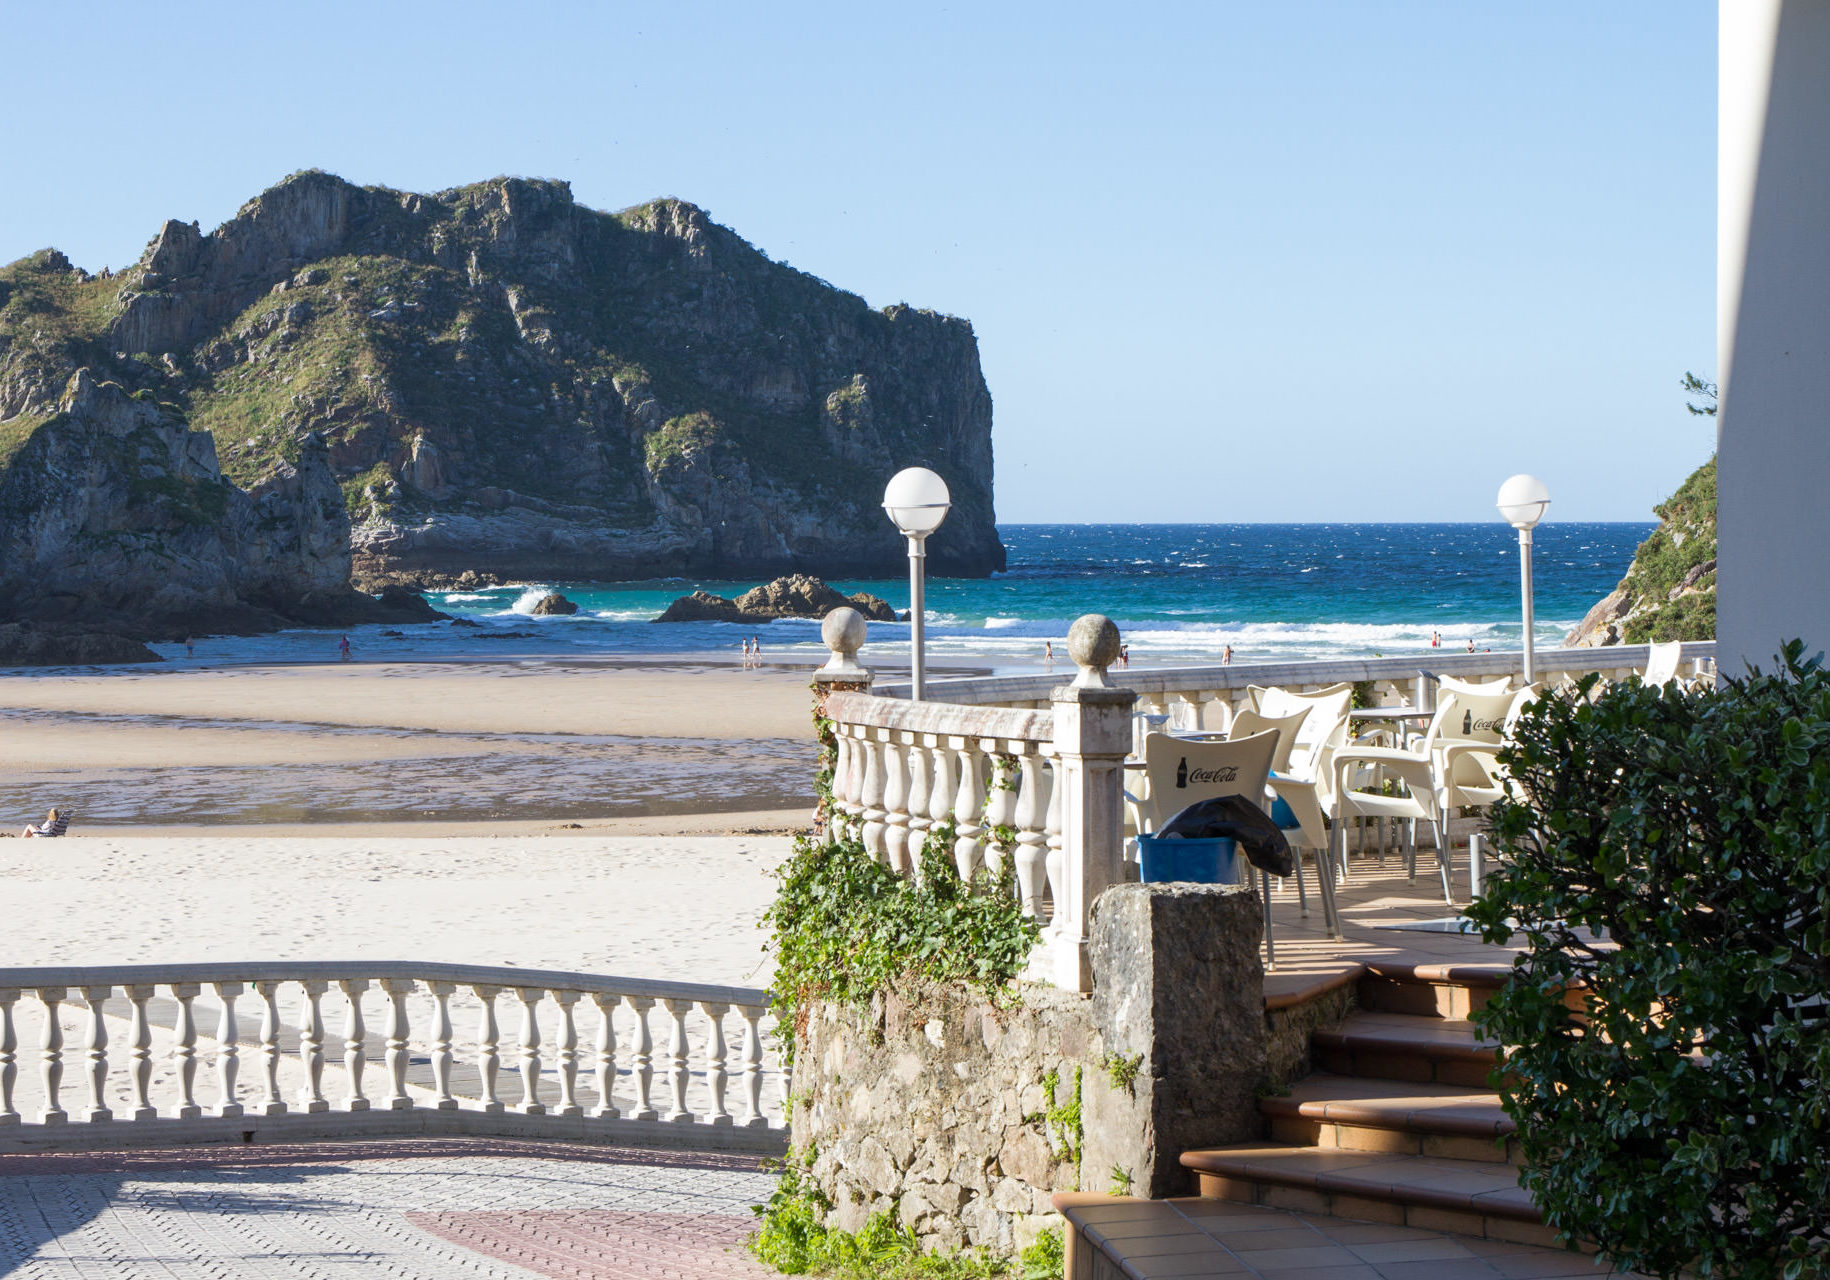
(1374, 894)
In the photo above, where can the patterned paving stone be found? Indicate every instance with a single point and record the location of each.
(411, 1210)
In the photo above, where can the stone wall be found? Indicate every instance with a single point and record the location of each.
(932, 1104)
(936, 1105)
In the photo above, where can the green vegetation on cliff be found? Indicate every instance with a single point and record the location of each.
(574, 392)
(1673, 576)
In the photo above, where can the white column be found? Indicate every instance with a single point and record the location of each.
(1773, 276)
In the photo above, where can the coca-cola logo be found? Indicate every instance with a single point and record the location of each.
(1226, 773)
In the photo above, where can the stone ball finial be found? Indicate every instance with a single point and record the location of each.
(1093, 645)
(843, 630)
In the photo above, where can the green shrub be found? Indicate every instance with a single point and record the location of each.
(1684, 1119)
(843, 926)
(793, 1239)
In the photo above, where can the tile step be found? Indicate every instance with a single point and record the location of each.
(1465, 1192)
(1394, 1046)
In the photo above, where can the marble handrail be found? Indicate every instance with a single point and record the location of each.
(392, 1057)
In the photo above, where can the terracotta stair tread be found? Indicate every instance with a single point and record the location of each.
(1454, 1110)
(1490, 976)
(1465, 1186)
(1401, 1033)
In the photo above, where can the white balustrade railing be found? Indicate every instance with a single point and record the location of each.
(1206, 697)
(127, 1040)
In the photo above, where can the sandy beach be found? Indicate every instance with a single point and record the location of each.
(605, 817)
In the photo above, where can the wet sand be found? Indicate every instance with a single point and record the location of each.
(522, 745)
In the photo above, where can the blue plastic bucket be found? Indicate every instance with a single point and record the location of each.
(1188, 861)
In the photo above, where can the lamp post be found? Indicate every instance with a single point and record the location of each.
(1521, 502)
(917, 501)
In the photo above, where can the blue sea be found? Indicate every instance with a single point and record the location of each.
(1180, 594)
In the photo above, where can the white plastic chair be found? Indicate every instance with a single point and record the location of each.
(1179, 772)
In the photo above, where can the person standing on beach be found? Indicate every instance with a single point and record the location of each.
(1226, 658)
(1048, 652)
(190, 650)
(343, 647)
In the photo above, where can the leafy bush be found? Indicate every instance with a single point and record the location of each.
(1682, 1119)
(843, 925)
(793, 1239)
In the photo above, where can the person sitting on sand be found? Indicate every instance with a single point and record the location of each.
(53, 825)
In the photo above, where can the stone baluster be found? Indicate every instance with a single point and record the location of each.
(228, 1048)
(753, 1117)
(9, 1055)
(567, 1054)
(715, 1060)
(945, 789)
(355, 1032)
(969, 809)
(1000, 810)
(876, 779)
(1213, 711)
(441, 1044)
(488, 1063)
(95, 1050)
(139, 1040)
(1032, 840)
(530, 1051)
(51, 1055)
(856, 754)
(641, 1059)
(185, 1051)
(395, 1034)
(311, 1045)
(268, 991)
(676, 1060)
(605, 1063)
(921, 786)
(895, 806)
(837, 815)
(1054, 863)
(1091, 736)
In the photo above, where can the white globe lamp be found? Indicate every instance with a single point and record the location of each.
(917, 502)
(1522, 501)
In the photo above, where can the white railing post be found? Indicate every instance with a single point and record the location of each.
(228, 1049)
(895, 805)
(567, 1054)
(605, 1064)
(715, 1051)
(875, 826)
(395, 1034)
(95, 1048)
(139, 1037)
(186, 1050)
(921, 791)
(9, 1054)
(641, 1059)
(1000, 811)
(530, 1051)
(441, 1044)
(268, 991)
(676, 1060)
(488, 1063)
(968, 807)
(1092, 736)
(1032, 838)
(311, 1045)
(355, 1035)
(51, 1054)
(752, 1068)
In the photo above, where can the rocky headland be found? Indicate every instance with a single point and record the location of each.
(1669, 591)
(348, 383)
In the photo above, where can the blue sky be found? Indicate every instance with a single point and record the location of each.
(1226, 261)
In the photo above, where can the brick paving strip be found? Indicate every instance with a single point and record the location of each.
(418, 1210)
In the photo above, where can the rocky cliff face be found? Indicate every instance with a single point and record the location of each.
(508, 382)
(114, 511)
(1669, 592)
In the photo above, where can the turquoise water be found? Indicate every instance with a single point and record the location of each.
(1180, 593)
